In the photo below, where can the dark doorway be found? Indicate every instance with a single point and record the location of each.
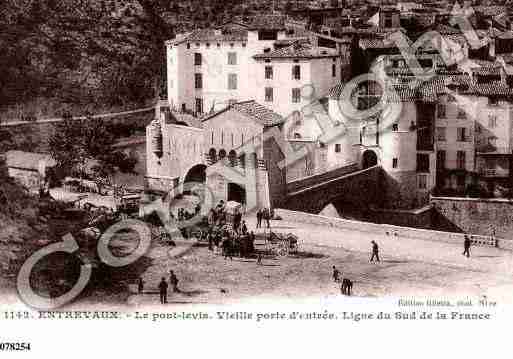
(236, 193)
(196, 174)
(369, 159)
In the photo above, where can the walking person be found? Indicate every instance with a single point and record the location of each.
(336, 274)
(466, 246)
(267, 217)
(173, 281)
(259, 218)
(259, 258)
(163, 291)
(375, 251)
(244, 228)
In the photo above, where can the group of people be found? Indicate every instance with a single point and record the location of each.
(263, 214)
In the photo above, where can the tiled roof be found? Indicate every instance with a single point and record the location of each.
(267, 22)
(252, 109)
(299, 50)
(189, 120)
(490, 10)
(212, 35)
(429, 91)
(27, 160)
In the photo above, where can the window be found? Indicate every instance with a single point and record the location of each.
(460, 160)
(269, 72)
(461, 134)
(199, 105)
(188, 46)
(232, 81)
(422, 181)
(197, 59)
(441, 133)
(338, 148)
(461, 113)
(441, 111)
(492, 121)
(422, 162)
(440, 159)
(395, 127)
(232, 58)
(198, 81)
(208, 45)
(394, 162)
(296, 72)
(296, 95)
(333, 70)
(269, 94)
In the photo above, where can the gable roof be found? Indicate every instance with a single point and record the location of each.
(253, 110)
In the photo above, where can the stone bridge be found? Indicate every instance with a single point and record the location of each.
(360, 187)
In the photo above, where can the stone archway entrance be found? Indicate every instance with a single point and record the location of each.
(369, 159)
(236, 193)
(197, 173)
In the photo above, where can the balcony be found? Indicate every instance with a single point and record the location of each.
(494, 172)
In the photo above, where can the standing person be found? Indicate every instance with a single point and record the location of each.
(466, 246)
(336, 274)
(140, 285)
(267, 217)
(173, 281)
(259, 218)
(259, 258)
(244, 228)
(163, 291)
(375, 251)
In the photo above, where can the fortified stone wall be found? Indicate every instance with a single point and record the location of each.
(479, 216)
(390, 230)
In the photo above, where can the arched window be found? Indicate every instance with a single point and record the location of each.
(222, 154)
(232, 157)
(212, 154)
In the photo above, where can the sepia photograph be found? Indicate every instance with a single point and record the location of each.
(320, 171)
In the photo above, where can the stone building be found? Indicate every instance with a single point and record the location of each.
(29, 168)
(263, 59)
